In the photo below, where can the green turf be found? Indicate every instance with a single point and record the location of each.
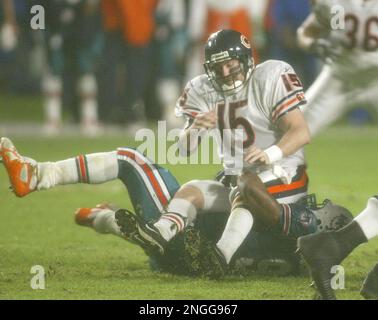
(80, 264)
(21, 108)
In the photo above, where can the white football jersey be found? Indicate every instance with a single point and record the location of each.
(272, 90)
(359, 37)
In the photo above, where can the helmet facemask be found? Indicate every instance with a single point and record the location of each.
(237, 77)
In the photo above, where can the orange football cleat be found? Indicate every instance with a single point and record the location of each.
(22, 171)
(86, 216)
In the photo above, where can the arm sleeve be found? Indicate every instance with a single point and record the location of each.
(284, 91)
(190, 103)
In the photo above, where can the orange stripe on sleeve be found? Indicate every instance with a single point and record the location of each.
(285, 106)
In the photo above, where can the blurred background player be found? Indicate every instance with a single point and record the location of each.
(172, 30)
(130, 28)
(73, 44)
(16, 72)
(282, 19)
(322, 252)
(171, 44)
(345, 34)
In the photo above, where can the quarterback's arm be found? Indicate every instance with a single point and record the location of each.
(310, 30)
(190, 136)
(296, 135)
(296, 132)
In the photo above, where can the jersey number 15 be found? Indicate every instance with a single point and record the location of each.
(235, 121)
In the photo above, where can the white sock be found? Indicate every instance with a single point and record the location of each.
(52, 89)
(167, 228)
(92, 168)
(239, 224)
(180, 212)
(89, 111)
(105, 223)
(87, 88)
(368, 219)
(53, 109)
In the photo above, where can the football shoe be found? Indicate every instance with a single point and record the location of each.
(213, 262)
(86, 216)
(321, 252)
(22, 171)
(136, 230)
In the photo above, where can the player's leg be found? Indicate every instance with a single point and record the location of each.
(88, 53)
(238, 226)
(150, 188)
(87, 88)
(254, 204)
(273, 202)
(326, 101)
(52, 89)
(27, 175)
(193, 197)
(325, 250)
(52, 83)
(101, 219)
(182, 210)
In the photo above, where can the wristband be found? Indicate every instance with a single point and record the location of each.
(274, 153)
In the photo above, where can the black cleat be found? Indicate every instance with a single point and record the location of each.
(192, 250)
(136, 230)
(369, 288)
(321, 252)
(213, 262)
(202, 255)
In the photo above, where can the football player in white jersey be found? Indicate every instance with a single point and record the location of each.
(345, 34)
(263, 101)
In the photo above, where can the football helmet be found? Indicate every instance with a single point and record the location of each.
(222, 47)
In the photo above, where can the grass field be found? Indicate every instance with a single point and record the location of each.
(80, 264)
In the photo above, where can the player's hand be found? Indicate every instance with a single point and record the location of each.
(256, 155)
(327, 50)
(206, 121)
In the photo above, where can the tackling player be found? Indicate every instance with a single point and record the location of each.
(150, 188)
(349, 76)
(323, 251)
(262, 100)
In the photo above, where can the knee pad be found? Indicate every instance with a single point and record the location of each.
(214, 193)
